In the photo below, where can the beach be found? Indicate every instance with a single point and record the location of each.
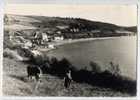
(70, 41)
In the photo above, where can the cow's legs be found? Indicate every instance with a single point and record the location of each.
(37, 77)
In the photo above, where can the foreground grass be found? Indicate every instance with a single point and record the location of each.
(15, 83)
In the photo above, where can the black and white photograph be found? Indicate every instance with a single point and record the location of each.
(63, 50)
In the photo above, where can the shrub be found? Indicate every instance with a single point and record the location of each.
(39, 59)
(64, 65)
(95, 67)
(59, 67)
(12, 54)
(114, 69)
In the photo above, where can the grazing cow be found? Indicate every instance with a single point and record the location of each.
(67, 79)
(34, 71)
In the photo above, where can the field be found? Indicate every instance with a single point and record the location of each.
(15, 83)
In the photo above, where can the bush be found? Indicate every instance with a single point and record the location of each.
(39, 59)
(95, 67)
(109, 78)
(8, 44)
(59, 67)
(114, 69)
(12, 54)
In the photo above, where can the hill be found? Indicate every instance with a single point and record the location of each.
(15, 83)
(68, 27)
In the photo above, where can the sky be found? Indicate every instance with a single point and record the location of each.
(124, 15)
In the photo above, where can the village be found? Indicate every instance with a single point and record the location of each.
(37, 40)
(48, 39)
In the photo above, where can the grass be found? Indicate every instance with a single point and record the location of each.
(110, 78)
(15, 83)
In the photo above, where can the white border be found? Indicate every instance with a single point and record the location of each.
(138, 56)
(68, 2)
(1, 43)
(73, 1)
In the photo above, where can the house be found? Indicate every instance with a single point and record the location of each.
(58, 32)
(38, 38)
(124, 32)
(45, 37)
(51, 46)
(62, 27)
(10, 37)
(58, 38)
(37, 34)
(28, 44)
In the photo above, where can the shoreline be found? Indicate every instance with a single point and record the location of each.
(69, 41)
(56, 44)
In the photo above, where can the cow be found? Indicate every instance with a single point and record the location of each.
(67, 79)
(35, 71)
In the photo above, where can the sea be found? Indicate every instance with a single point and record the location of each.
(119, 50)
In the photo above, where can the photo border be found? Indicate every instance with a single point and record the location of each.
(118, 2)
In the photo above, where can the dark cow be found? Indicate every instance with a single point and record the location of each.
(33, 71)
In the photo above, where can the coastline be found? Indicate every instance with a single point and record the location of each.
(56, 44)
(70, 41)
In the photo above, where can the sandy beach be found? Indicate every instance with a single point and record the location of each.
(69, 41)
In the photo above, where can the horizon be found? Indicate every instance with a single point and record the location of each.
(117, 13)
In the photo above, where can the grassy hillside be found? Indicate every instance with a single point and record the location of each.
(15, 83)
(69, 27)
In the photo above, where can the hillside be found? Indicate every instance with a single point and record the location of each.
(15, 83)
(68, 27)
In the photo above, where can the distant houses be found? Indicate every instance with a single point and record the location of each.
(51, 46)
(62, 27)
(58, 38)
(48, 35)
(124, 32)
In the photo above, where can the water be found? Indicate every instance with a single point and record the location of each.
(120, 50)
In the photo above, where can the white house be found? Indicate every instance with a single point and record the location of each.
(125, 32)
(51, 46)
(58, 38)
(28, 44)
(62, 27)
(10, 37)
(35, 53)
(45, 37)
